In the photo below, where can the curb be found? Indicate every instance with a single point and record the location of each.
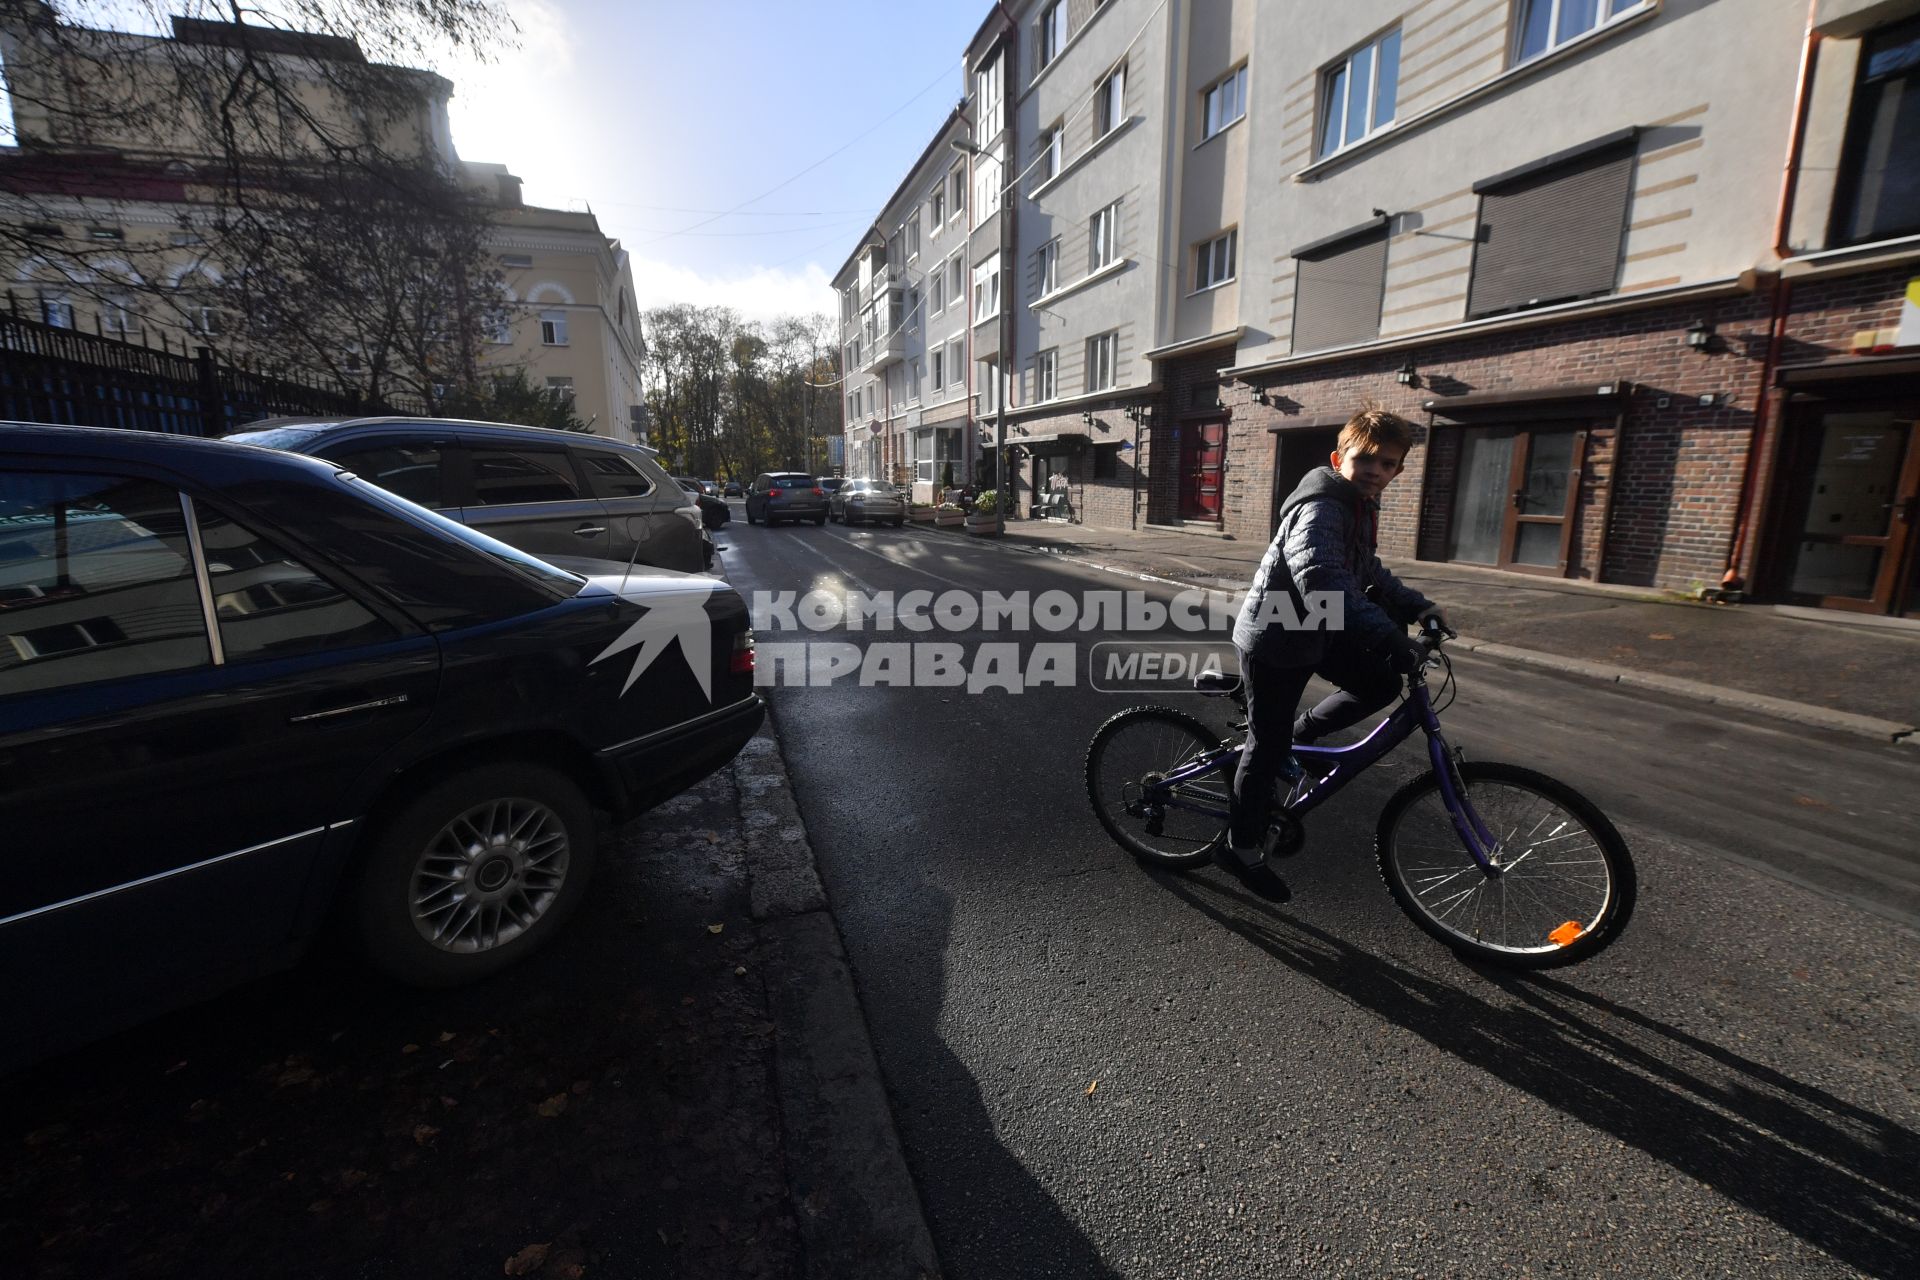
(858, 1210)
(1803, 713)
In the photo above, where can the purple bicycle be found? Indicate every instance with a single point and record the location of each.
(1500, 863)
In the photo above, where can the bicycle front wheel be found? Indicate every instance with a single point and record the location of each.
(1566, 884)
(1136, 749)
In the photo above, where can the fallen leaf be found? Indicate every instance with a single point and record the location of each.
(1808, 802)
(553, 1106)
(296, 1075)
(409, 1048)
(424, 1134)
(445, 1036)
(352, 1177)
(739, 971)
(713, 837)
(448, 1103)
(528, 1260)
(580, 1088)
(1659, 635)
(572, 1271)
(715, 928)
(41, 1137)
(1092, 1087)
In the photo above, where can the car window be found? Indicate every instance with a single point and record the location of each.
(96, 582)
(410, 470)
(615, 475)
(793, 482)
(268, 604)
(508, 475)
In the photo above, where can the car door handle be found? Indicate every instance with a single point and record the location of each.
(372, 704)
(588, 530)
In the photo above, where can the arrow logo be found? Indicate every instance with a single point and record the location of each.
(681, 617)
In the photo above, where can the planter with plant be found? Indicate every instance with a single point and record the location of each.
(920, 512)
(949, 513)
(983, 520)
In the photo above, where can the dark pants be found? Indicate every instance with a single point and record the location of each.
(1365, 684)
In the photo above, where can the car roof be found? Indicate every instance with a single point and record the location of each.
(465, 426)
(193, 455)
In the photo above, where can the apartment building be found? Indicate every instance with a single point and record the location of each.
(124, 196)
(904, 330)
(1553, 233)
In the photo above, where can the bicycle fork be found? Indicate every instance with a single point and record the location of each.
(1467, 824)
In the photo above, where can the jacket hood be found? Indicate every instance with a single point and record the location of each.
(1323, 484)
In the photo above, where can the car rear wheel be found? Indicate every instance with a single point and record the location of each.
(821, 518)
(473, 874)
(898, 521)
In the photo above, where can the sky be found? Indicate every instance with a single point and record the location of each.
(659, 116)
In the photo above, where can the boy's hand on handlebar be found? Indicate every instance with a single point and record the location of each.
(1406, 654)
(1436, 618)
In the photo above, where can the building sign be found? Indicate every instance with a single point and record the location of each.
(1909, 332)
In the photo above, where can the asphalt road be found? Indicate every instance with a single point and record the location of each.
(1103, 1071)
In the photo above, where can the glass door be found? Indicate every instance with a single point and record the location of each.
(1478, 530)
(1852, 516)
(1546, 483)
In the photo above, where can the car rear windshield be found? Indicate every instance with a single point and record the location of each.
(793, 482)
(872, 486)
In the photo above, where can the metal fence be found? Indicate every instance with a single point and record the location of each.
(59, 375)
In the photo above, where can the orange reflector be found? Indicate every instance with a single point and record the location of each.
(1566, 933)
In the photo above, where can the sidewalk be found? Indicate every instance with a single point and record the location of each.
(1820, 668)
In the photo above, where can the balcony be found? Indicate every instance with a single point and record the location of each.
(884, 349)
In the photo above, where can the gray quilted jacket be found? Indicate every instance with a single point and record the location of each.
(1326, 542)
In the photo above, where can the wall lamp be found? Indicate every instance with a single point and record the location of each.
(1408, 375)
(1700, 335)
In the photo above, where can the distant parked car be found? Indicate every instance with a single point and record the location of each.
(831, 484)
(245, 694)
(786, 495)
(710, 487)
(554, 493)
(713, 512)
(733, 489)
(857, 501)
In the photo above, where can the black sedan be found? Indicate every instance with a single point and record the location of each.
(861, 500)
(244, 694)
(714, 511)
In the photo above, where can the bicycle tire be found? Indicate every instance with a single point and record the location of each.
(1588, 900)
(1143, 740)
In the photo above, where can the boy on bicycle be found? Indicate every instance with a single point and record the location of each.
(1326, 543)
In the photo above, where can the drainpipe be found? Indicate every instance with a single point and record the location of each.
(1768, 409)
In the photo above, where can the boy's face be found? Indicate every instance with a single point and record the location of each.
(1371, 470)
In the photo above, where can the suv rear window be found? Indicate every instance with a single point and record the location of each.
(792, 482)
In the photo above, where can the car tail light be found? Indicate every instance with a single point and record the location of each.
(742, 661)
(818, 492)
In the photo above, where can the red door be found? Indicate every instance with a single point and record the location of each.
(1203, 455)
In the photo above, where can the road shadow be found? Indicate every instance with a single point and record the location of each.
(989, 1216)
(1834, 1174)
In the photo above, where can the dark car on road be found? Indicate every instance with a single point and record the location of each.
(785, 495)
(733, 489)
(857, 501)
(554, 493)
(713, 511)
(247, 698)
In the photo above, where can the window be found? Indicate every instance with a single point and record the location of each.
(1110, 102)
(553, 328)
(614, 475)
(1548, 24)
(853, 408)
(1106, 462)
(956, 278)
(1879, 189)
(1103, 237)
(989, 103)
(1049, 34)
(1337, 291)
(913, 379)
(497, 325)
(505, 475)
(122, 599)
(939, 369)
(913, 309)
(1224, 103)
(956, 361)
(957, 187)
(1359, 94)
(269, 605)
(1047, 267)
(208, 322)
(913, 236)
(410, 470)
(986, 289)
(1213, 263)
(1554, 234)
(986, 187)
(1052, 152)
(1046, 375)
(937, 206)
(986, 385)
(516, 259)
(1100, 362)
(560, 389)
(117, 317)
(936, 290)
(56, 309)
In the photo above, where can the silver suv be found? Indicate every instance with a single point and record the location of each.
(553, 493)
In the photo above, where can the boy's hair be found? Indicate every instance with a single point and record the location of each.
(1371, 428)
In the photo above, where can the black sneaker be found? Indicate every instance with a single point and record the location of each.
(1256, 875)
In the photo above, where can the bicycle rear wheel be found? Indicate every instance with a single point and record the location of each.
(1567, 885)
(1140, 746)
